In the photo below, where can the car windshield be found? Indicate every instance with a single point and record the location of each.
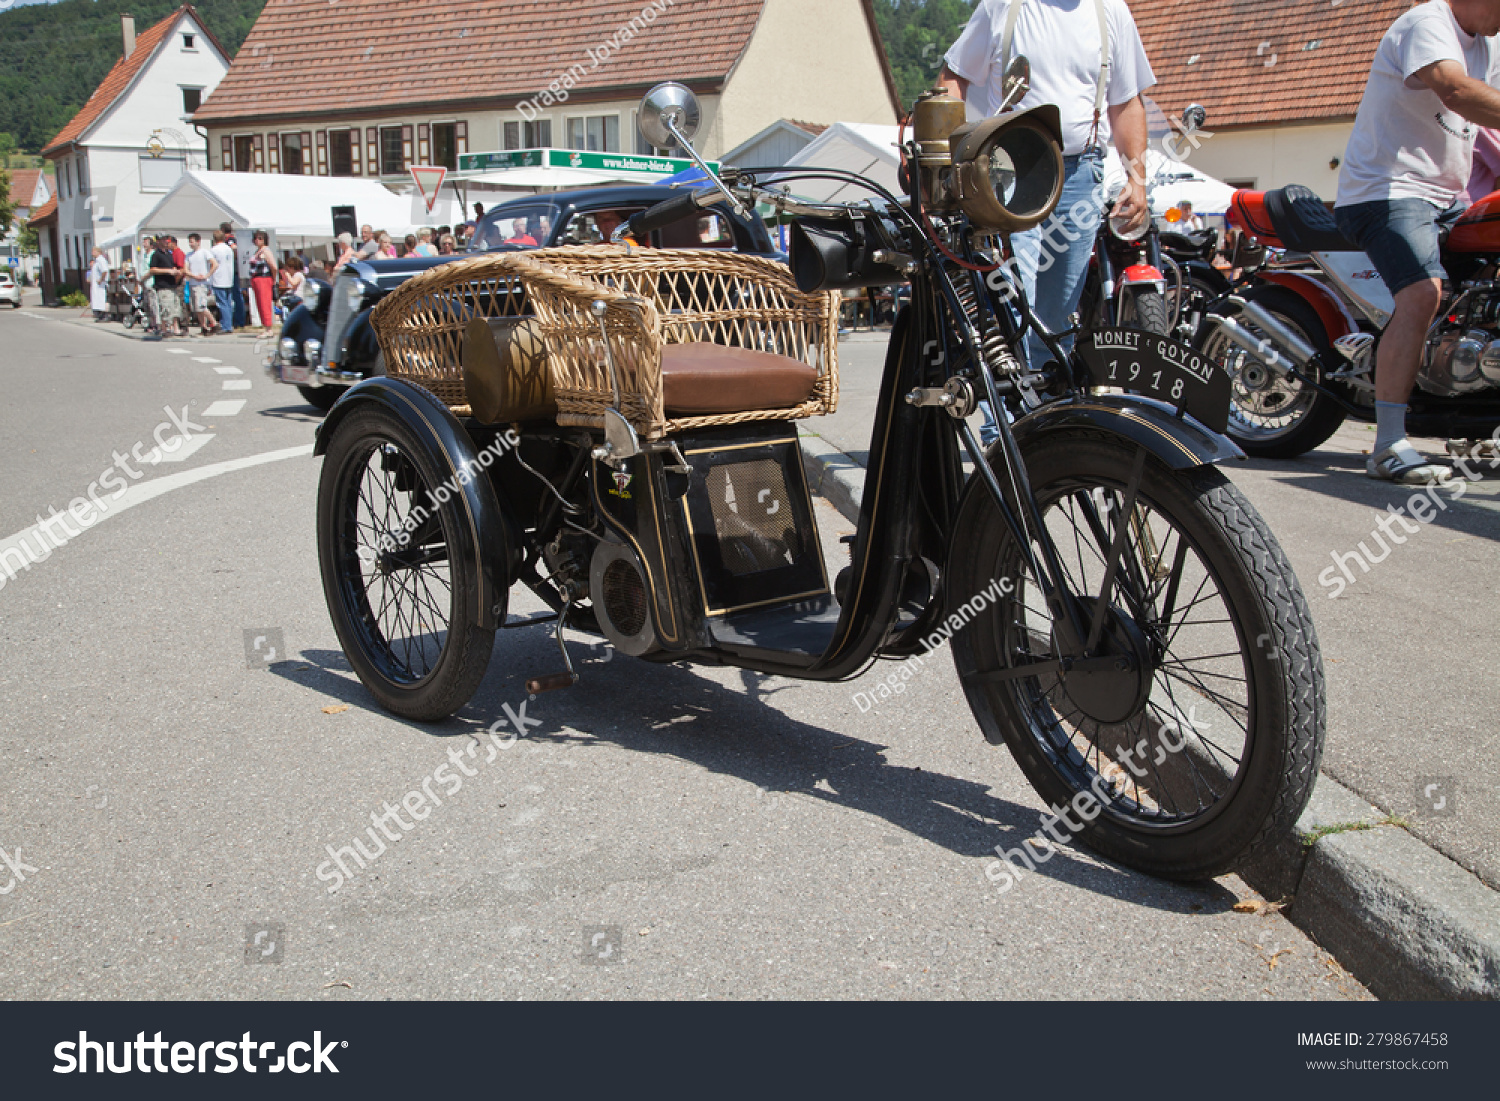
(518, 225)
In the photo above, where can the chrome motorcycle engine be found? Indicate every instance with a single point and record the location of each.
(1463, 347)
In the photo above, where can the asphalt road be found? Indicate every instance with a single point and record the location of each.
(661, 832)
(1412, 671)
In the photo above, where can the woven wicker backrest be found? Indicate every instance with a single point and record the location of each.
(421, 324)
(652, 297)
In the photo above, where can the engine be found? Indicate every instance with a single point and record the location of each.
(1463, 345)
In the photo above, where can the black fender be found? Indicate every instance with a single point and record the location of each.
(449, 446)
(301, 325)
(1182, 443)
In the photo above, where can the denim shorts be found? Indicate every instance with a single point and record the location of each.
(1400, 236)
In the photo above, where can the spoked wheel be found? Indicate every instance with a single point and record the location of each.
(1199, 737)
(400, 571)
(1272, 417)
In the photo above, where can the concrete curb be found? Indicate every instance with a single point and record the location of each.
(1402, 918)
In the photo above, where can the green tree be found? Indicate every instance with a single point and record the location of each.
(916, 34)
(7, 208)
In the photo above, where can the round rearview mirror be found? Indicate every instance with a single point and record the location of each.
(668, 103)
(1017, 81)
(1194, 115)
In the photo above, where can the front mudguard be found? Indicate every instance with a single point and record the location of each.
(1180, 442)
(450, 448)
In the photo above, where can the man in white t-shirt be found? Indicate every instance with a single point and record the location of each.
(1432, 83)
(200, 266)
(1099, 97)
(221, 279)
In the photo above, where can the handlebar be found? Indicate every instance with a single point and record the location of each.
(673, 209)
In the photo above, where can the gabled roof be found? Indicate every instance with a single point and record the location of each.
(369, 55)
(46, 214)
(23, 183)
(1263, 62)
(123, 74)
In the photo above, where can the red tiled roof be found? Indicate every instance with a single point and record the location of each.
(305, 57)
(23, 185)
(44, 214)
(1263, 62)
(813, 128)
(120, 76)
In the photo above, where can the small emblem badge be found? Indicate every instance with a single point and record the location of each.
(622, 480)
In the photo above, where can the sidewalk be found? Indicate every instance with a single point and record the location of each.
(1403, 918)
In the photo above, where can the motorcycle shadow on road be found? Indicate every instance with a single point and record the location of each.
(668, 709)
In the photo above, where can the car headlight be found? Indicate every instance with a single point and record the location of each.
(1008, 170)
(354, 295)
(289, 350)
(312, 352)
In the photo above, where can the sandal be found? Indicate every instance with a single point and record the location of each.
(1390, 466)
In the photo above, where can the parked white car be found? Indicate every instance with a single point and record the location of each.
(10, 290)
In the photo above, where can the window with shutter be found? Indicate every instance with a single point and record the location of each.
(226, 153)
(406, 143)
(273, 153)
(463, 138)
(322, 152)
(307, 153)
(424, 149)
(372, 150)
(258, 143)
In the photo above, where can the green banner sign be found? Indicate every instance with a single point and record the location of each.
(575, 158)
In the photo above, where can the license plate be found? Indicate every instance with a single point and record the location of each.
(295, 374)
(1158, 367)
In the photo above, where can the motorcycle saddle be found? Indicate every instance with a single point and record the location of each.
(1303, 223)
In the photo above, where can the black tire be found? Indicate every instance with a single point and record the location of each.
(1271, 418)
(422, 654)
(1238, 778)
(322, 397)
(1144, 308)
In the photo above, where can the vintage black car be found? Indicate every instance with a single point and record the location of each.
(327, 344)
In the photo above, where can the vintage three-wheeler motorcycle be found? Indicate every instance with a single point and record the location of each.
(613, 427)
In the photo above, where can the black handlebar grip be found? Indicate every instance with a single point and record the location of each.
(663, 214)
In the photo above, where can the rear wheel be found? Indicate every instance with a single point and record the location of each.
(1272, 417)
(400, 570)
(1200, 743)
(129, 319)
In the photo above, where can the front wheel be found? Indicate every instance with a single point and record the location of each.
(1144, 308)
(1272, 417)
(1197, 744)
(322, 397)
(400, 569)
(129, 319)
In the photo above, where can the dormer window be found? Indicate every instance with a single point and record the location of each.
(190, 42)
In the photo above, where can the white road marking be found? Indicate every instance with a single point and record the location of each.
(206, 359)
(237, 384)
(179, 351)
(138, 495)
(185, 448)
(227, 370)
(223, 408)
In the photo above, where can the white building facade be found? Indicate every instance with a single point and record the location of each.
(132, 140)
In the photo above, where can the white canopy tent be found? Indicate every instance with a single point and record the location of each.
(1169, 182)
(865, 148)
(534, 178)
(294, 210)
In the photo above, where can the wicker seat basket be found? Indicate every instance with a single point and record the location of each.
(653, 297)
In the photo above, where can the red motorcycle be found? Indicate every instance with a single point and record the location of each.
(1299, 346)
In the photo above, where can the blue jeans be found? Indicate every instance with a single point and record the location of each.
(241, 311)
(1053, 259)
(225, 297)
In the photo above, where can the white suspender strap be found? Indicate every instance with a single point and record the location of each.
(1105, 62)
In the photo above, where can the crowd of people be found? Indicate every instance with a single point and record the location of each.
(223, 283)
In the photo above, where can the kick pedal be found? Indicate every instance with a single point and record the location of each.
(551, 682)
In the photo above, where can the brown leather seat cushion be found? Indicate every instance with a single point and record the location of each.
(705, 379)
